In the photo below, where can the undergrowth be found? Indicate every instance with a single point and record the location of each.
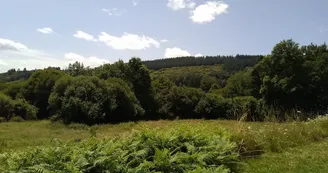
(160, 146)
(179, 150)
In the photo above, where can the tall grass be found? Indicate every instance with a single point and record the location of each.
(165, 146)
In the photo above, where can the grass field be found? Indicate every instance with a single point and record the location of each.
(263, 147)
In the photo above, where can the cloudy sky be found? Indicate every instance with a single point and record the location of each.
(42, 33)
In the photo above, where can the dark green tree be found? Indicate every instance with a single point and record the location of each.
(207, 82)
(38, 88)
(212, 106)
(182, 101)
(139, 76)
(91, 100)
(239, 84)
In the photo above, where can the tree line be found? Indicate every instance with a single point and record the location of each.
(230, 63)
(291, 81)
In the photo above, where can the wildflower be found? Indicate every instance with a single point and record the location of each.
(249, 127)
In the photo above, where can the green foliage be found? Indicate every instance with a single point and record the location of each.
(193, 76)
(179, 150)
(6, 106)
(230, 63)
(16, 119)
(212, 106)
(78, 69)
(182, 101)
(207, 82)
(162, 87)
(15, 89)
(18, 108)
(15, 75)
(245, 108)
(3, 86)
(139, 76)
(293, 77)
(38, 88)
(116, 70)
(2, 119)
(91, 100)
(239, 84)
(23, 109)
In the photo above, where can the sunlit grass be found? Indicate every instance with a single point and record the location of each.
(264, 146)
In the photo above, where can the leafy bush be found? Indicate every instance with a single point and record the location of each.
(244, 108)
(207, 82)
(24, 110)
(16, 119)
(212, 107)
(182, 101)
(6, 106)
(19, 108)
(178, 150)
(14, 89)
(91, 100)
(2, 119)
(239, 84)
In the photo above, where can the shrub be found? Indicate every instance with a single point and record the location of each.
(14, 89)
(24, 110)
(182, 101)
(16, 119)
(17, 107)
(207, 82)
(6, 106)
(91, 100)
(244, 108)
(2, 119)
(239, 84)
(212, 106)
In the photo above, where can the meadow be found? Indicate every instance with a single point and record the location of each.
(165, 146)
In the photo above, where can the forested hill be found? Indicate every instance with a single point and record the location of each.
(234, 62)
(230, 64)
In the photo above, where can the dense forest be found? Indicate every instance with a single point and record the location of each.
(290, 82)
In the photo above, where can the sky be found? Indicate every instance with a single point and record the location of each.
(41, 33)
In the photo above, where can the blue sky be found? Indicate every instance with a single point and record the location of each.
(41, 33)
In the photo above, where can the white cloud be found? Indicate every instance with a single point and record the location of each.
(128, 41)
(17, 55)
(207, 12)
(164, 41)
(6, 44)
(198, 55)
(85, 36)
(91, 61)
(45, 30)
(180, 4)
(175, 52)
(113, 11)
(135, 2)
(2, 63)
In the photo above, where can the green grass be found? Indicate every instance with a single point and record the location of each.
(264, 146)
(306, 159)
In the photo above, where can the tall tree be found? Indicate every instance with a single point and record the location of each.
(38, 88)
(139, 76)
